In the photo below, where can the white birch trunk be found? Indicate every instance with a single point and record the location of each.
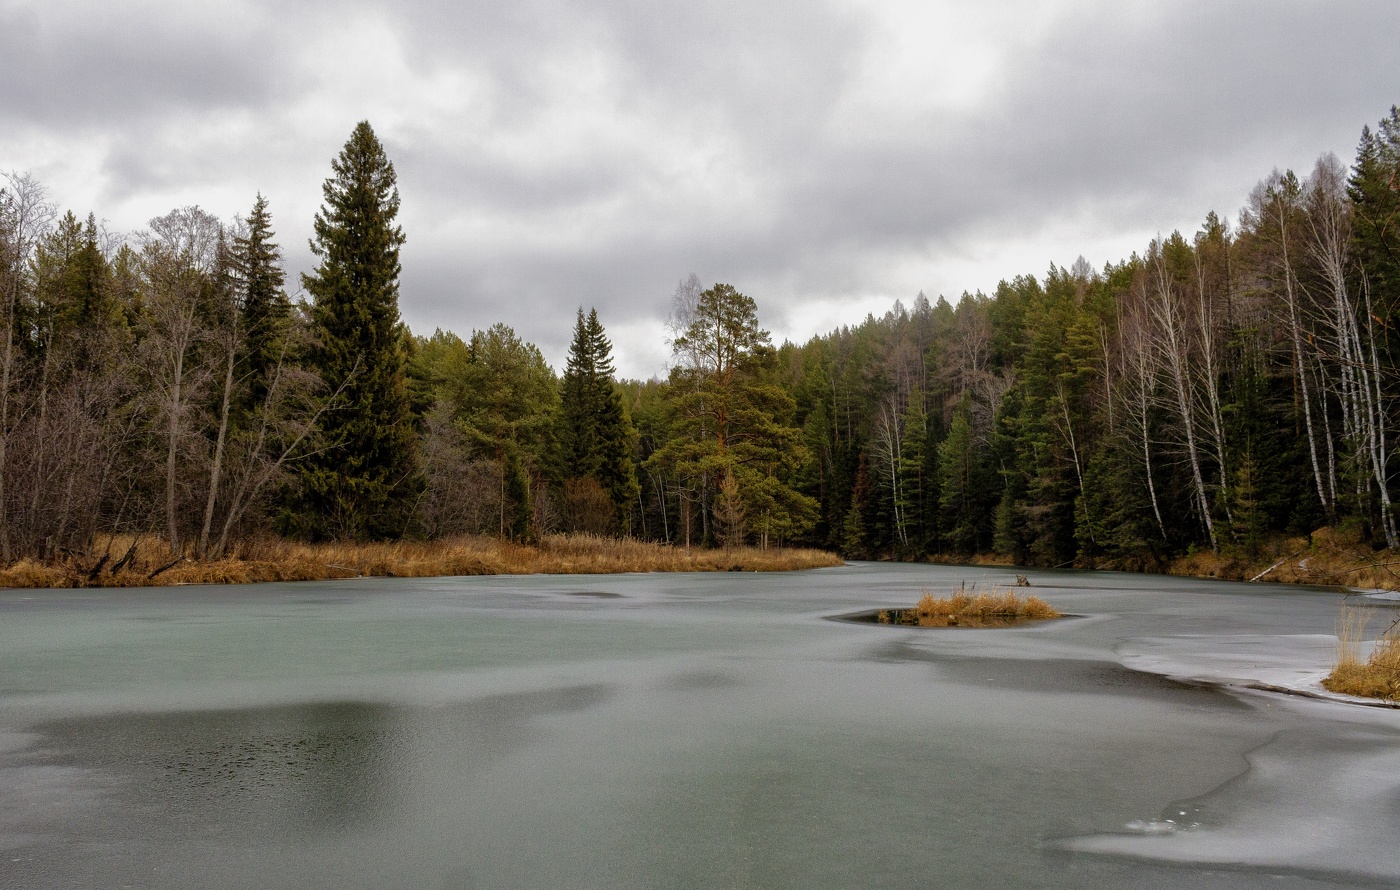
(1174, 346)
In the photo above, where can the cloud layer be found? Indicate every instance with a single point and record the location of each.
(826, 158)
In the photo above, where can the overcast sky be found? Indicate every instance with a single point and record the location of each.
(825, 158)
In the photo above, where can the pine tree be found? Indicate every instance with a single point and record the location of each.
(361, 484)
(733, 419)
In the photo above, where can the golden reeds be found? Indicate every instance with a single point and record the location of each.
(969, 608)
(130, 562)
(1376, 677)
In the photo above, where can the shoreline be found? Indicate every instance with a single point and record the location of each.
(128, 562)
(1325, 558)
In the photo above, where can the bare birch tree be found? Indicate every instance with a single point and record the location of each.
(1175, 354)
(1357, 378)
(25, 215)
(181, 263)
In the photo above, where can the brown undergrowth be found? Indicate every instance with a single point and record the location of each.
(1332, 556)
(128, 562)
(1329, 556)
(1378, 675)
(999, 608)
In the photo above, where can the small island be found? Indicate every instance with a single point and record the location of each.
(999, 608)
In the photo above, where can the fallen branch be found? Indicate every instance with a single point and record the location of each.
(1272, 567)
(92, 573)
(169, 565)
(130, 553)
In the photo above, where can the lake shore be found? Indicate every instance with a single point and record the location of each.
(147, 563)
(1326, 557)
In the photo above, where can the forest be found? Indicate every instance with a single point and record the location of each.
(1217, 390)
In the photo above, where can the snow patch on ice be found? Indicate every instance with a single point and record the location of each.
(1295, 661)
(1314, 801)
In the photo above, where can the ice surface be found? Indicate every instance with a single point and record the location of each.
(683, 731)
(1318, 799)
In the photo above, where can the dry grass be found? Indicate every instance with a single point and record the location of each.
(149, 562)
(999, 608)
(28, 573)
(1327, 556)
(1376, 677)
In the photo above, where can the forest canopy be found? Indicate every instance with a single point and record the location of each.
(1218, 388)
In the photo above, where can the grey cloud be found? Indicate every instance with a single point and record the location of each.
(115, 67)
(1127, 117)
(707, 56)
(1134, 117)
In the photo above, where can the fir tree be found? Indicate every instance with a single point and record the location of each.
(263, 304)
(1374, 192)
(360, 485)
(913, 466)
(959, 491)
(595, 435)
(853, 533)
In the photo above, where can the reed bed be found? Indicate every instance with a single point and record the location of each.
(969, 608)
(145, 561)
(1378, 675)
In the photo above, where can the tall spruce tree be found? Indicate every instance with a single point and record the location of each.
(263, 304)
(1374, 190)
(361, 483)
(595, 435)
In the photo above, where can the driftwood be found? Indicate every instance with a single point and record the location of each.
(169, 565)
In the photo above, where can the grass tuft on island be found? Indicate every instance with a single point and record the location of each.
(1378, 675)
(1000, 608)
(146, 561)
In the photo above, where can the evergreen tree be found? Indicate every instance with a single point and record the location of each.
(959, 493)
(1374, 192)
(511, 397)
(263, 304)
(1248, 525)
(913, 468)
(362, 482)
(854, 544)
(733, 418)
(594, 433)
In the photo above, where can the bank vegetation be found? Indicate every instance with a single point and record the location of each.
(1205, 405)
(145, 561)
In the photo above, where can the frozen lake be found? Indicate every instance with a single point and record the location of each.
(699, 730)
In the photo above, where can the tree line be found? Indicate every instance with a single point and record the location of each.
(1210, 392)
